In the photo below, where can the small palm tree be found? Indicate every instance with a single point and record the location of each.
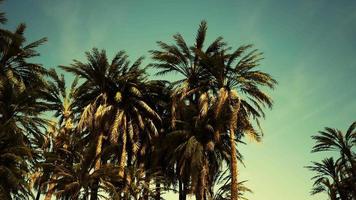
(334, 140)
(223, 178)
(328, 172)
(136, 185)
(324, 185)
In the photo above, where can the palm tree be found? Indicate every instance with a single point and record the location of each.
(184, 60)
(14, 58)
(137, 186)
(13, 170)
(20, 109)
(329, 170)
(68, 162)
(189, 153)
(334, 140)
(61, 101)
(112, 103)
(2, 15)
(191, 150)
(158, 95)
(4, 34)
(223, 178)
(14, 154)
(236, 84)
(20, 129)
(60, 138)
(75, 177)
(42, 171)
(324, 185)
(229, 79)
(21, 82)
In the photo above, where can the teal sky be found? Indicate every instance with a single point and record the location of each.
(309, 46)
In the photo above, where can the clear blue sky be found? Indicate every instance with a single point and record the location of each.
(310, 48)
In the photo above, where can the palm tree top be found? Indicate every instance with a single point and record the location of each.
(2, 15)
(182, 58)
(333, 139)
(327, 167)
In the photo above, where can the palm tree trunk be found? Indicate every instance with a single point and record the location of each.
(125, 190)
(158, 190)
(185, 190)
(353, 173)
(180, 189)
(332, 194)
(146, 190)
(94, 192)
(49, 192)
(126, 176)
(201, 195)
(123, 156)
(75, 197)
(341, 192)
(4, 194)
(233, 168)
(98, 151)
(38, 195)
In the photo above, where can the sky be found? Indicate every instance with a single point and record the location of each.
(309, 47)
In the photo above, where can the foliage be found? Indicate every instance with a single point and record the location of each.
(336, 178)
(116, 134)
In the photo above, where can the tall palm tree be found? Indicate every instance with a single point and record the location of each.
(158, 95)
(41, 172)
(14, 153)
(60, 137)
(20, 108)
(112, 104)
(21, 81)
(237, 86)
(68, 162)
(230, 79)
(60, 100)
(20, 127)
(183, 59)
(334, 140)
